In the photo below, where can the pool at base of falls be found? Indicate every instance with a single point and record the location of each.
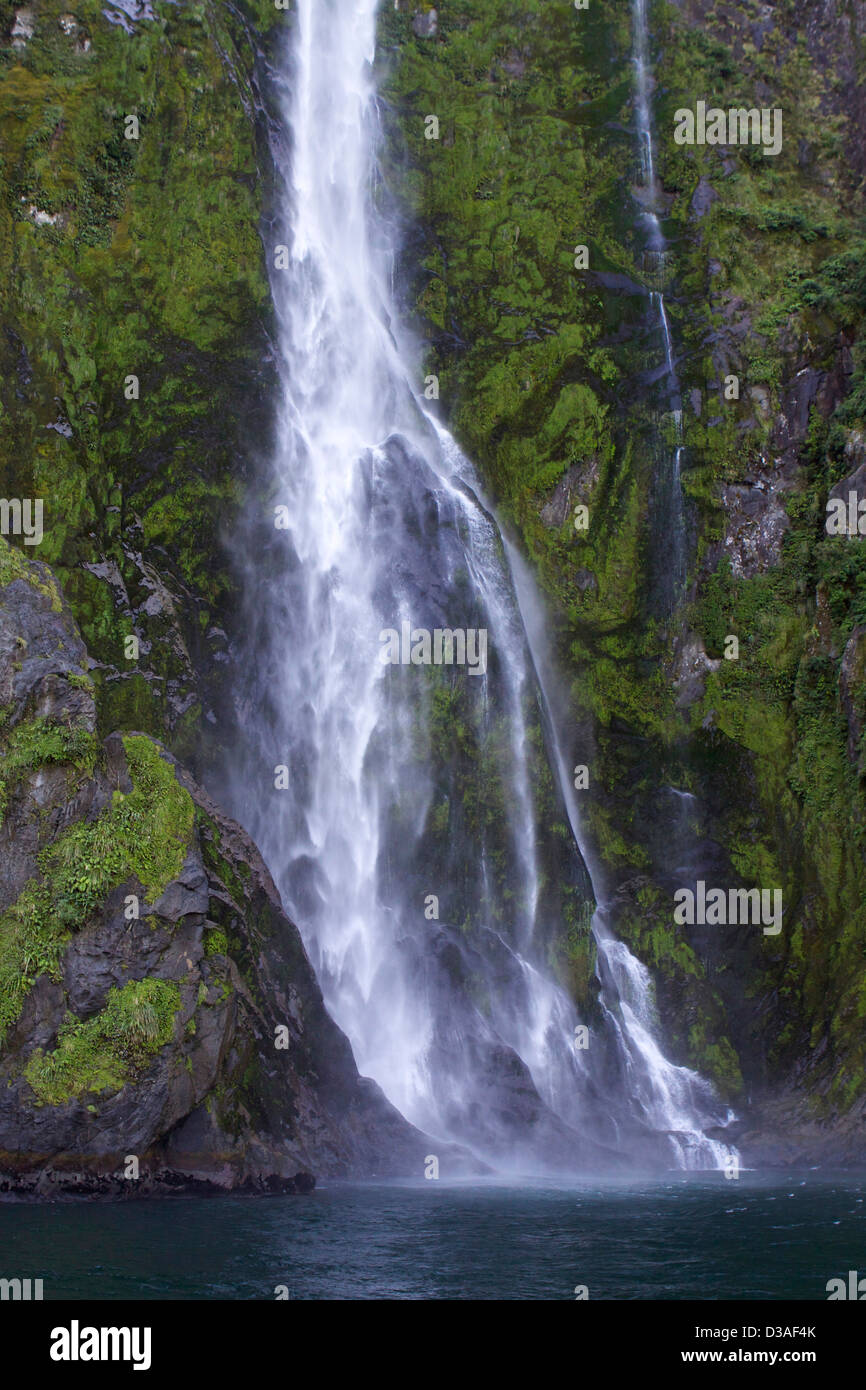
(690, 1236)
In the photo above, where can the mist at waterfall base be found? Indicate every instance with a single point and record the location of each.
(692, 1236)
(408, 783)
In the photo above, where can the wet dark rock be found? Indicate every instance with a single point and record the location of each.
(855, 481)
(38, 644)
(514, 65)
(852, 692)
(702, 199)
(616, 281)
(782, 1131)
(219, 1106)
(755, 523)
(157, 607)
(425, 24)
(690, 667)
(501, 1105)
(187, 894)
(55, 1184)
(576, 485)
(792, 423)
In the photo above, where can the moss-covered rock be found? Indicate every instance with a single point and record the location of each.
(141, 258)
(160, 1024)
(133, 328)
(751, 768)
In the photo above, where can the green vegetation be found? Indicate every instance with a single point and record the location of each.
(539, 368)
(513, 329)
(14, 564)
(216, 943)
(143, 835)
(38, 742)
(104, 1052)
(151, 266)
(143, 257)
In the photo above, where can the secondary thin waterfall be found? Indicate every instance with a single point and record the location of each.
(648, 195)
(416, 811)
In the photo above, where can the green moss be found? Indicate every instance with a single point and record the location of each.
(15, 565)
(574, 953)
(80, 682)
(110, 1049)
(618, 851)
(33, 934)
(216, 943)
(38, 742)
(154, 268)
(513, 329)
(155, 821)
(717, 1060)
(144, 835)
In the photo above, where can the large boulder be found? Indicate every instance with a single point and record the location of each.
(160, 1023)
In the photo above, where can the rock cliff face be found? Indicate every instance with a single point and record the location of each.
(135, 363)
(136, 392)
(746, 771)
(160, 1024)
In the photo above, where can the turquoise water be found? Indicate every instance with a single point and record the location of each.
(693, 1237)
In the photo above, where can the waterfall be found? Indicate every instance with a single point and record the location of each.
(399, 803)
(648, 196)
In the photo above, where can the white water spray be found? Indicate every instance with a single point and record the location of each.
(461, 1022)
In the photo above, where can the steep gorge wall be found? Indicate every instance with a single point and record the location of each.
(546, 375)
(156, 1004)
(136, 257)
(145, 257)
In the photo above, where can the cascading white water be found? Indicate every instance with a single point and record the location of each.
(461, 1022)
(673, 1100)
(642, 91)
